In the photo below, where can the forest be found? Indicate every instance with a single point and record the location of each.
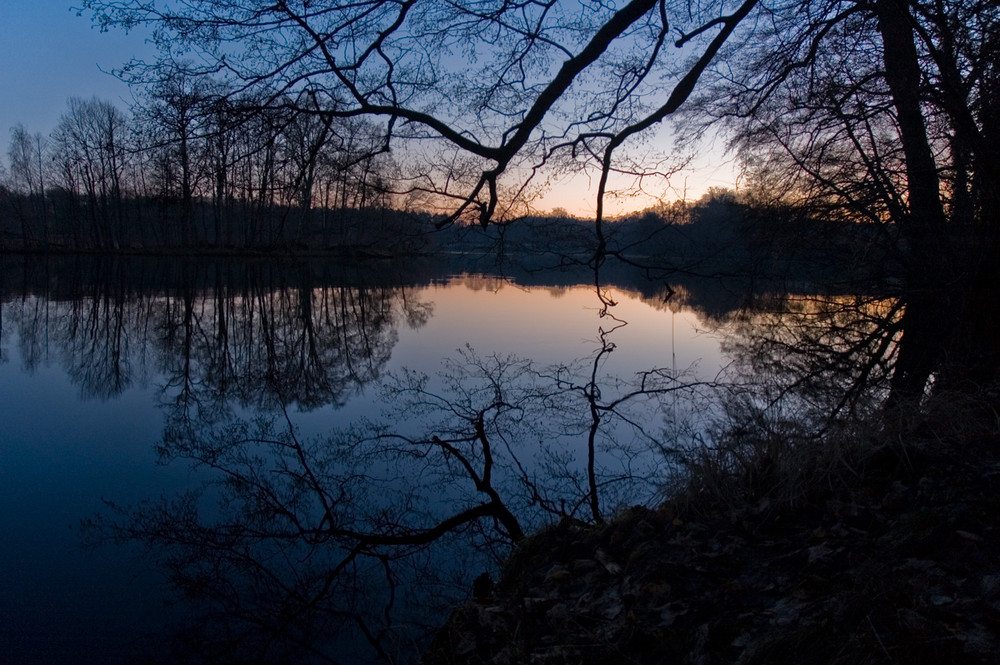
(192, 167)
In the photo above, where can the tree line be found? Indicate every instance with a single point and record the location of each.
(194, 165)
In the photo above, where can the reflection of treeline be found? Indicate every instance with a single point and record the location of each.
(214, 332)
(195, 166)
(311, 330)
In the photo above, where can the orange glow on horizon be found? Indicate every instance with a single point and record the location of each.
(577, 194)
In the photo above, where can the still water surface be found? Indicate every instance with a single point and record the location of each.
(93, 375)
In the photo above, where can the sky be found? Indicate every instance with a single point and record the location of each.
(50, 54)
(712, 168)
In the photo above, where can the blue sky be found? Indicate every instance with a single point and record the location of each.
(49, 54)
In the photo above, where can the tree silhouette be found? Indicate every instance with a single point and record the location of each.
(885, 112)
(90, 149)
(477, 97)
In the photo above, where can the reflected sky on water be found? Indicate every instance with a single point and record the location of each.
(88, 385)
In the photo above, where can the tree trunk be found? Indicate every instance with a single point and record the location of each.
(930, 276)
(977, 347)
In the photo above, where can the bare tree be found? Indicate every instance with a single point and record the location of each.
(176, 113)
(479, 98)
(27, 172)
(885, 113)
(90, 147)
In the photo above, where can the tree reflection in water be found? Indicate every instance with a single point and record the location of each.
(300, 548)
(804, 397)
(307, 549)
(263, 347)
(242, 336)
(304, 548)
(820, 358)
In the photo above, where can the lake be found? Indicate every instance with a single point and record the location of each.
(286, 449)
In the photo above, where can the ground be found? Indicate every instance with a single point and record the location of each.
(899, 564)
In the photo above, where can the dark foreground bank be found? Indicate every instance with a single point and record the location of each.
(893, 558)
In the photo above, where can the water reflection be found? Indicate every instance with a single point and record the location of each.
(308, 544)
(252, 341)
(820, 358)
(304, 547)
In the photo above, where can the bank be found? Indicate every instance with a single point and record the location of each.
(891, 555)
